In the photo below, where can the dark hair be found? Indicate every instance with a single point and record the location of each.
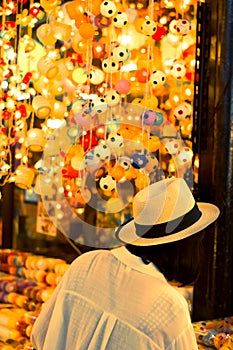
(178, 261)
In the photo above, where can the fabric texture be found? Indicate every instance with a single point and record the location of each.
(110, 300)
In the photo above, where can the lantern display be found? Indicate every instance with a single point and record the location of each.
(114, 79)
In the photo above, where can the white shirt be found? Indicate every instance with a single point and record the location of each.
(110, 300)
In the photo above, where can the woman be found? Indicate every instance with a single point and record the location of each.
(121, 299)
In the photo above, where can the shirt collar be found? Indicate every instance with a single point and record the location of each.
(135, 262)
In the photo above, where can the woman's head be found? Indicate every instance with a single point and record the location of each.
(178, 261)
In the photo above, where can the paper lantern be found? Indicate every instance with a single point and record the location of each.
(35, 140)
(115, 140)
(107, 183)
(172, 146)
(120, 53)
(182, 111)
(109, 65)
(158, 78)
(183, 26)
(122, 86)
(142, 75)
(41, 106)
(24, 177)
(148, 117)
(108, 8)
(45, 34)
(99, 105)
(79, 76)
(112, 97)
(160, 33)
(148, 27)
(47, 67)
(102, 151)
(120, 19)
(87, 31)
(96, 76)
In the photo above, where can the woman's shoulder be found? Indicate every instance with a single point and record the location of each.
(90, 256)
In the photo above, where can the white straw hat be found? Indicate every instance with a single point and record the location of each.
(165, 212)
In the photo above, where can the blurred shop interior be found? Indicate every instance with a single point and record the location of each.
(100, 99)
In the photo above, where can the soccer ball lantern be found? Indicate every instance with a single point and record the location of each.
(107, 183)
(178, 69)
(115, 140)
(108, 8)
(125, 162)
(183, 26)
(172, 146)
(112, 97)
(148, 27)
(99, 105)
(120, 20)
(102, 151)
(110, 65)
(120, 53)
(149, 117)
(182, 112)
(158, 78)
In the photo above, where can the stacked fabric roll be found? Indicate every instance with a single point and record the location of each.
(27, 281)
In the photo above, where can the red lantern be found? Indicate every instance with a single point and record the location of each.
(142, 75)
(6, 115)
(160, 33)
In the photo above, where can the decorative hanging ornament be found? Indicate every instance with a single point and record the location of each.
(109, 65)
(178, 69)
(160, 33)
(102, 151)
(120, 19)
(96, 76)
(148, 27)
(148, 117)
(172, 146)
(120, 53)
(183, 26)
(122, 86)
(139, 161)
(182, 112)
(108, 8)
(112, 97)
(125, 162)
(184, 156)
(158, 77)
(115, 140)
(107, 183)
(99, 105)
(35, 140)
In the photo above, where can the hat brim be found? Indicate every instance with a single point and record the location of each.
(127, 233)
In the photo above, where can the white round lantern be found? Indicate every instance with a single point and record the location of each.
(120, 53)
(158, 78)
(148, 27)
(102, 151)
(112, 97)
(120, 20)
(115, 140)
(108, 8)
(183, 26)
(178, 69)
(172, 146)
(109, 65)
(107, 183)
(182, 111)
